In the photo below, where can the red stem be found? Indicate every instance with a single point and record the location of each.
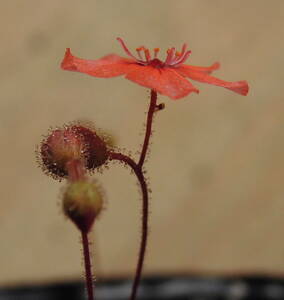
(137, 168)
(151, 111)
(76, 170)
(138, 172)
(88, 267)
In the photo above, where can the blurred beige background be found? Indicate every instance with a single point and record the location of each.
(217, 158)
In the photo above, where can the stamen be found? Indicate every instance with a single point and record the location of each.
(156, 51)
(182, 59)
(184, 46)
(171, 53)
(126, 49)
(173, 58)
(138, 50)
(147, 54)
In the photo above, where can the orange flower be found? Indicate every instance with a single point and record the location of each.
(167, 78)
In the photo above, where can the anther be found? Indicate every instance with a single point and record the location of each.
(156, 51)
(138, 50)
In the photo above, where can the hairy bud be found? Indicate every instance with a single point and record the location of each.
(74, 142)
(82, 203)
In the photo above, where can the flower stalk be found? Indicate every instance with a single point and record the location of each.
(88, 266)
(152, 107)
(138, 170)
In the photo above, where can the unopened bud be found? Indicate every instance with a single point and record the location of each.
(82, 203)
(73, 142)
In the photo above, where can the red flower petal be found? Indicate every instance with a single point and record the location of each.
(164, 80)
(108, 66)
(207, 70)
(240, 87)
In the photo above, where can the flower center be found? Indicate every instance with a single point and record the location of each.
(156, 63)
(173, 59)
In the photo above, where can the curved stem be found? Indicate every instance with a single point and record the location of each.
(137, 168)
(139, 174)
(88, 267)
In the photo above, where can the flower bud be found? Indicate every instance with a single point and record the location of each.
(82, 203)
(73, 142)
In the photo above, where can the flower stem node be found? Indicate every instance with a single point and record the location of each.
(82, 203)
(160, 106)
(74, 142)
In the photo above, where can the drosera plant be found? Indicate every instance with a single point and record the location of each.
(74, 151)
